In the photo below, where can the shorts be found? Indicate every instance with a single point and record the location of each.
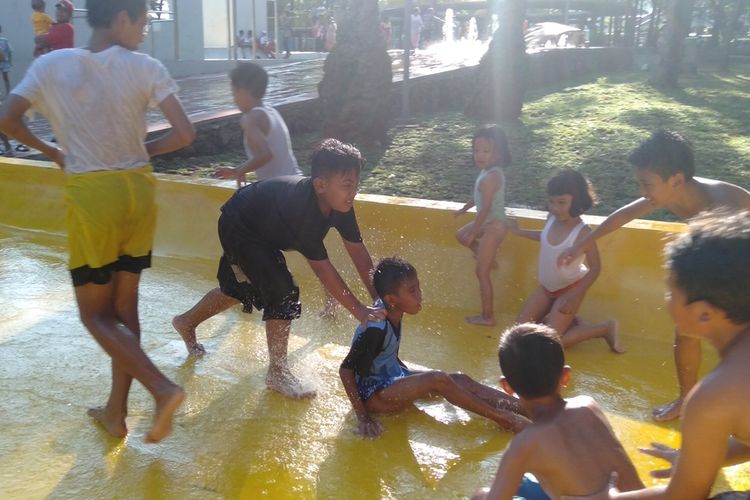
(111, 218)
(530, 489)
(561, 291)
(256, 274)
(370, 385)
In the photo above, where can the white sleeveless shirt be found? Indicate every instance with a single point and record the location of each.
(554, 277)
(283, 161)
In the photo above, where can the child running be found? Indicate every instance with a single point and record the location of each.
(562, 287)
(569, 447)
(95, 98)
(709, 299)
(41, 22)
(269, 154)
(287, 213)
(376, 380)
(665, 169)
(486, 232)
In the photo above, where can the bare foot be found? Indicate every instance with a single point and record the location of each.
(187, 332)
(480, 321)
(669, 411)
(114, 425)
(286, 384)
(613, 337)
(165, 408)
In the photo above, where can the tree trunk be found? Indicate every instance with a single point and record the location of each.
(356, 87)
(678, 16)
(729, 28)
(501, 76)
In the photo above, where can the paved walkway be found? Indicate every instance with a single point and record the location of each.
(290, 80)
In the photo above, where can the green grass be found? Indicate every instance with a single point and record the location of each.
(590, 127)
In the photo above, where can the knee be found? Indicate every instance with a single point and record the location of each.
(460, 378)
(439, 380)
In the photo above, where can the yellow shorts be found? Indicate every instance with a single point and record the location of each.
(111, 218)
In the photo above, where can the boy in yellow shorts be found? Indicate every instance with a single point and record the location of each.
(95, 99)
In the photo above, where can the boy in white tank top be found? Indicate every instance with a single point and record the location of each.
(265, 135)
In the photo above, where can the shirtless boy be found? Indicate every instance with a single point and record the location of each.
(664, 167)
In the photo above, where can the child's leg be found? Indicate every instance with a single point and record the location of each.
(462, 236)
(687, 359)
(210, 305)
(490, 395)
(537, 306)
(112, 415)
(489, 242)
(97, 307)
(402, 393)
(279, 377)
(6, 80)
(562, 319)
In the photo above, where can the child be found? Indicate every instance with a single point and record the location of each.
(94, 97)
(287, 213)
(484, 235)
(41, 23)
(269, 152)
(664, 167)
(6, 61)
(569, 446)
(709, 269)
(562, 288)
(376, 380)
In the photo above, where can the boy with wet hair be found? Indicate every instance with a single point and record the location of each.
(95, 99)
(709, 270)
(569, 446)
(377, 381)
(665, 168)
(286, 213)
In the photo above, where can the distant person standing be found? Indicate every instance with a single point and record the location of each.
(317, 31)
(62, 33)
(416, 25)
(386, 30)
(6, 60)
(41, 22)
(329, 39)
(285, 26)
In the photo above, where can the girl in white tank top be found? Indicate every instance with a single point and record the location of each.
(561, 289)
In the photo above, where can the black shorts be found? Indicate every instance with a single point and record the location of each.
(256, 274)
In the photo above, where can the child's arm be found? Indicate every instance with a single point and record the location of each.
(180, 135)
(464, 209)
(255, 125)
(333, 282)
(616, 220)
(594, 263)
(366, 426)
(523, 233)
(12, 125)
(363, 263)
(509, 473)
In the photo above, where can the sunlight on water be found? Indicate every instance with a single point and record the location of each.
(232, 437)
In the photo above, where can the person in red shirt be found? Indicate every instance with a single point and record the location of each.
(61, 34)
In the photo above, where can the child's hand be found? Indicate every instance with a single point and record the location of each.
(369, 428)
(366, 314)
(458, 212)
(228, 173)
(664, 452)
(568, 256)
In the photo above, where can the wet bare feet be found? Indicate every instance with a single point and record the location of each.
(114, 425)
(480, 321)
(187, 332)
(613, 337)
(669, 411)
(286, 384)
(165, 408)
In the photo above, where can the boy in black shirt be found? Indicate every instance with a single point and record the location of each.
(286, 213)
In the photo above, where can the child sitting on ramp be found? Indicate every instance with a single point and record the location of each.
(376, 380)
